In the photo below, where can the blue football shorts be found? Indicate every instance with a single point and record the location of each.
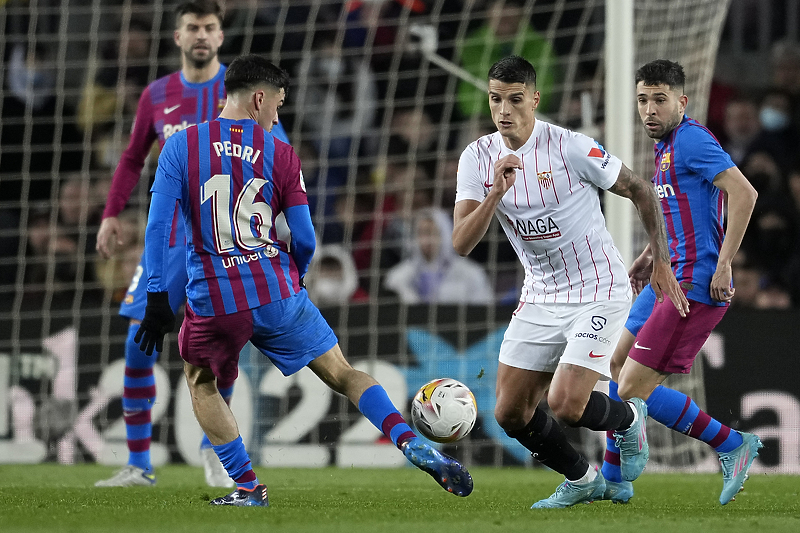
(641, 310)
(175, 275)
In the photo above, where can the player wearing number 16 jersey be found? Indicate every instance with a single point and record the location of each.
(231, 179)
(193, 95)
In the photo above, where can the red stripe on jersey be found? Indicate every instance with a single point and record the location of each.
(536, 159)
(193, 146)
(549, 262)
(258, 140)
(489, 165)
(525, 179)
(215, 166)
(256, 267)
(234, 276)
(580, 271)
(204, 105)
(561, 152)
(550, 164)
(566, 271)
(685, 211)
(591, 254)
(515, 189)
(603, 248)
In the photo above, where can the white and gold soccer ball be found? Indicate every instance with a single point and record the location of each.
(444, 410)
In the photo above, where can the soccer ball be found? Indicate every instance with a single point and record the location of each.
(444, 410)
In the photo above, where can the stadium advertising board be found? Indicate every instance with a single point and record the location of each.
(60, 390)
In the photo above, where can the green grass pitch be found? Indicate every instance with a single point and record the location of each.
(52, 498)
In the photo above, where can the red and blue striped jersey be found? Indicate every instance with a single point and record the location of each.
(686, 163)
(168, 105)
(232, 179)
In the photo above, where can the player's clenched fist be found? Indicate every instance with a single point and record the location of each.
(505, 173)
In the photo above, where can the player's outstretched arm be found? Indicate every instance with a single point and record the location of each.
(741, 197)
(471, 218)
(643, 196)
(126, 176)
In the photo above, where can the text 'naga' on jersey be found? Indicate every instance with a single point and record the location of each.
(551, 215)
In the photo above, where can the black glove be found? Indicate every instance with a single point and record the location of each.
(158, 321)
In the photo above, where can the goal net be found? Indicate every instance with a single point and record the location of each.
(383, 98)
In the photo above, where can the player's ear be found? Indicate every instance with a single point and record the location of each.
(176, 37)
(684, 101)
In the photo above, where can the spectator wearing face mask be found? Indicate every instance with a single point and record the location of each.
(779, 135)
(433, 272)
(332, 277)
(740, 128)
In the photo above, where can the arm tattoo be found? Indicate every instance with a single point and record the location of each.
(643, 196)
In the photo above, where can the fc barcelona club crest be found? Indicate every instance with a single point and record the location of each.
(545, 179)
(665, 160)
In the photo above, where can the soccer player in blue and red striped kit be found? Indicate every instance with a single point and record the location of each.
(192, 95)
(691, 173)
(231, 178)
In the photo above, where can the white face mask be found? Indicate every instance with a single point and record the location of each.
(328, 291)
(773, 119)
(29, 85)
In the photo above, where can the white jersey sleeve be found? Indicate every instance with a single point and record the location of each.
(591, 162)
(471, 174)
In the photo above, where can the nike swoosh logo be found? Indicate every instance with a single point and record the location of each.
(637, 345)
(168, 110)
(487, 184)
(596, 356)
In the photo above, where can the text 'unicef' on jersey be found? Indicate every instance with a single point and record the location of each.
(230, 261)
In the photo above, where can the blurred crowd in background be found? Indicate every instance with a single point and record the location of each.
(377, 126)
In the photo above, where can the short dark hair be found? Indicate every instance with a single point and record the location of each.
(662, 72)
(513, 69)
(249, 71)
(200, 8)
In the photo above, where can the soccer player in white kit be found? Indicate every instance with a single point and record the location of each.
(542, 182)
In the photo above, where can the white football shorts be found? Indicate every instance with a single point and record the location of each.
(540, 336)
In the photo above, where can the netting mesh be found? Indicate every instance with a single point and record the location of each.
(384, 96)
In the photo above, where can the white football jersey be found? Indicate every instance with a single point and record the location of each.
(552, 213)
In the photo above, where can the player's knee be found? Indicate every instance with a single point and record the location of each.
(625, 390)
(510, 419)
(198, 377)
(566, 408)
